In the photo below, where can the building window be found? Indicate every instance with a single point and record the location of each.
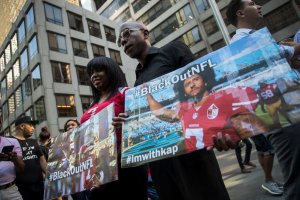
(29, 19)
(65, 105)
(33, 47)
(86, 102)
(217, 45)
(210, 26)
(123, 17)
(16, 70)
(11, 105)
(24, 60)
(201, 53)
(26, 88)
(14, 44)
(57, 42)
(79, 48)
(115, 55)
(224, 16)
(18, 97)
(171, 24)
(21, 32)
(36, 77)
(154, 12)
(202, 5)
(75, 22)
(98, 50)
(53, 14)
(94, 28)
(139, 4)
(61, 72)
(3, 89)
(5, 111)
(2, 63)
(7, 53)
(29, 112)
(40, 112)
(112, 8)
(110, 34)
(10, 79)
(281, 17)
(82, 76)
(191, 37)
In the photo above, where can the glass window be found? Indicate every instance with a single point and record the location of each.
(14, 44)
(33, 47)
(36, 77)
(75, 22)
(5, 111)
(3, 88)
(29, 112)
(7, 53)
(139, 4)
(11, 105)
(191, 37)
(123, 17)
(79, 48)
(53, 14)
(210, 26)
(24, 60)
(21, 32)
(16, 68)
(2, 63)
(94, 28)
(10, 79)
(65, 105)
(110, 34)
(26, 88)
(224, 16)
(61, 72)
(202, 5)
(98, 50)
(112, 8)
(18, 97)
(281, 17)
(57, 42)
(86, 102)
(40, 112)
(115, 55)
(82, 76)
(30, 19)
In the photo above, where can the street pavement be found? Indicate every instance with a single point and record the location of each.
(245, 186)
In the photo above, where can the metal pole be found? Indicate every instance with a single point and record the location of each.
(219, 20)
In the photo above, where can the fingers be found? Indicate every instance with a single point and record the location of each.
(222, 143)
(118, 121)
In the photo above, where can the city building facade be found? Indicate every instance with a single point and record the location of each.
(43, 62)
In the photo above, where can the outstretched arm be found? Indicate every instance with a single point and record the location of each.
(160, 112)
(248, 125)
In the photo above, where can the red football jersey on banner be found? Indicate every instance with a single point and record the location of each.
(269, 94)
(199, 124)
(88, 174)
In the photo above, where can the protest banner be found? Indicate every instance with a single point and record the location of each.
(83, 158)
(242, 90)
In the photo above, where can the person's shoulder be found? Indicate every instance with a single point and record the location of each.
(174, 45)
(11, 139)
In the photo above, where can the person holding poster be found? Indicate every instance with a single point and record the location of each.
(108, 86)
(246, 16)
(193, 176)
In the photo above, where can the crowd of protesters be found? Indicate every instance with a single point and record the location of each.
(193, 176)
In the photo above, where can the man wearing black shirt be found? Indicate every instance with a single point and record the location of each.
(30, 182)
(193, 176)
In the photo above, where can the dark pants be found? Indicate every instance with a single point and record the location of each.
(238, 153)
(31, 192)
(132, 185)
(287, 147)
(194, 176)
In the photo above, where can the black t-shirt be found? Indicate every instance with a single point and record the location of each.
(160, 61)
(45, 151)
(31, 156)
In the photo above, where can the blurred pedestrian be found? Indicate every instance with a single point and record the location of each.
(246, 163)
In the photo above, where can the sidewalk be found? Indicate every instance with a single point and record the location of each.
(245, 186)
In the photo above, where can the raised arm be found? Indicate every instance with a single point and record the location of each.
(160, 112)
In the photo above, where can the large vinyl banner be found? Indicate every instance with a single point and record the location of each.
(243, 89)
(84, 158)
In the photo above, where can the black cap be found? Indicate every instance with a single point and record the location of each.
(25, 119)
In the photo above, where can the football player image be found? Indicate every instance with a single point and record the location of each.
(270, 95)
(204, 114)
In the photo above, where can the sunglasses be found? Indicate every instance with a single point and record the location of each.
(125, 34)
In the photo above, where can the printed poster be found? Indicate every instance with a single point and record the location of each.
(83, 158)
(242, 90)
